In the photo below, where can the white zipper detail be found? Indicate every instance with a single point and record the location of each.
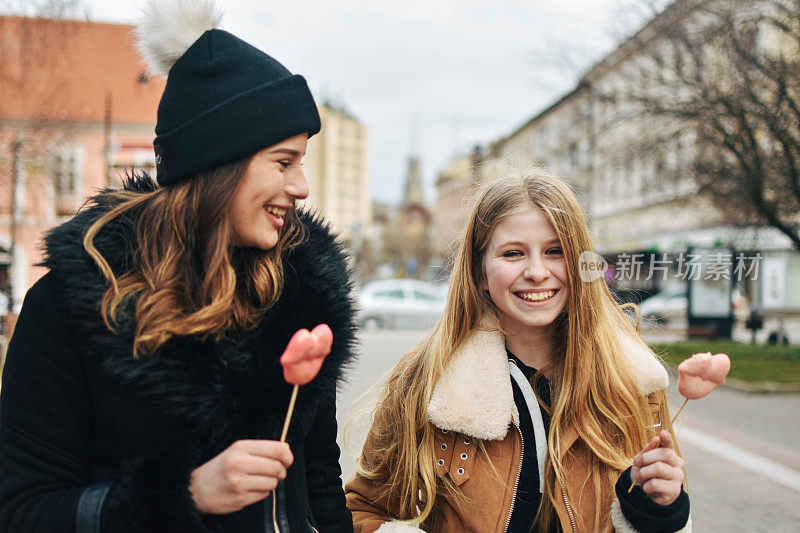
(566, 503)
(516, 482)
(275, 511)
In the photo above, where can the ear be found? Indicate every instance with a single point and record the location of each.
(484, 283)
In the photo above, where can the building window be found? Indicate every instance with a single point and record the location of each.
(574, 163)
(629, 185)
(65, 177)
(64, 173)
(660, 170)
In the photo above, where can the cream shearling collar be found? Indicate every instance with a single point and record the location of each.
(474, 394)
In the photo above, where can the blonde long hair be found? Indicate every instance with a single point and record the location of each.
(186, 277)
(594, 391)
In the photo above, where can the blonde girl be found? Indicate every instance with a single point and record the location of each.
(527, 405)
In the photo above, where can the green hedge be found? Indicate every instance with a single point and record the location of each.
(754, 363)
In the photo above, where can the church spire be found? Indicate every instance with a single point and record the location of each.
(413, 194)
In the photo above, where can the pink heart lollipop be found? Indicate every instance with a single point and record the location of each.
(702, 373)
(305, 354)
(302, 360)
(699, 375)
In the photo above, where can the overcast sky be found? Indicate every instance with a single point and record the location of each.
(428, 77)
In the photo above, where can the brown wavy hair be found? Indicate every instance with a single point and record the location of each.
(187, 277)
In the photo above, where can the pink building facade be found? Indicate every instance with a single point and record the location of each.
(77, 110)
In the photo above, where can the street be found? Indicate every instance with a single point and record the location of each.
(741, 452)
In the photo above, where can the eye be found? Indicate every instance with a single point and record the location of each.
(285, 163)
(555, 251)
(512, 253)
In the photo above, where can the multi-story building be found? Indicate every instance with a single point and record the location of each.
(635, 171)
(648, 143)
(641, 189)
(76, 109)
(336, 168)
(454, 185)
(558, 139)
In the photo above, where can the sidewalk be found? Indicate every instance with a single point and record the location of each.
(676, 331)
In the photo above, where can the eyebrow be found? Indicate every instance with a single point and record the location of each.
(287, 151)
(511, 243)
(520, 243)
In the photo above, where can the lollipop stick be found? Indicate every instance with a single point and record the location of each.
(679, 410)
(673, 420)
(289, 413)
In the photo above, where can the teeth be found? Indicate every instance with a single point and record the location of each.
(277, 211)
(536, 296)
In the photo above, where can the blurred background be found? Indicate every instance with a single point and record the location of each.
(677, 124)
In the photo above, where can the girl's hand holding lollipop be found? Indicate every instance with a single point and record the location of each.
(697, 376)
(302, 360)
(257, 466)
(659, 469)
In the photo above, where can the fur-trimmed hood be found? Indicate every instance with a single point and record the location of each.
(224, 390)
(484, 408)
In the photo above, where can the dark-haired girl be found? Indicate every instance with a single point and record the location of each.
(143, 389)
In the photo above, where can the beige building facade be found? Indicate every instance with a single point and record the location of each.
(558, 139)
(632, 173)
(642, 189)
(454, 186)
(337, 172)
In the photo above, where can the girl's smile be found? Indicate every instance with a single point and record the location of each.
(536, 297)
(525, 271)
(273, 181)
(276, 214)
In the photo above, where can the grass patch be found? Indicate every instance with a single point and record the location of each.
(753, 363)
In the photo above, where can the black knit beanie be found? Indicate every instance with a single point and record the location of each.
(226, 100)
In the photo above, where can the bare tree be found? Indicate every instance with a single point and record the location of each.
(725, 74)
(32, 95)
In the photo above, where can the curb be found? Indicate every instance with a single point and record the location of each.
(762, 387)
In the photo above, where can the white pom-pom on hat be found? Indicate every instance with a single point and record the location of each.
(169, 27)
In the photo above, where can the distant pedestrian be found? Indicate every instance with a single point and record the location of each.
(142, 390)
(779, 336)
(533, 402)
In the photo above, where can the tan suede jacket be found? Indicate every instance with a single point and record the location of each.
(465, 409)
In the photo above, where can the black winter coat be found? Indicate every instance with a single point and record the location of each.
(89, 433)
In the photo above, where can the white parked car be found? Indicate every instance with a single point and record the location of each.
(672, 304)
(669, 304)
(399, 303)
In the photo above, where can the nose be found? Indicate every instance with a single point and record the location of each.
(536, 269)
(296, 184)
